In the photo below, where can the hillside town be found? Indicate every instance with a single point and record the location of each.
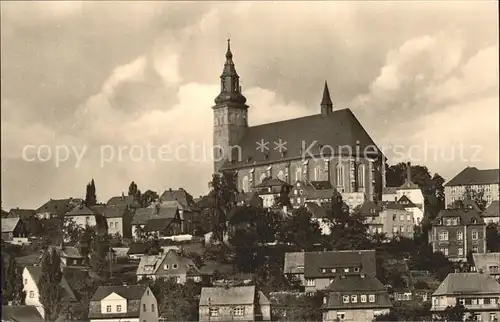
(279, 237)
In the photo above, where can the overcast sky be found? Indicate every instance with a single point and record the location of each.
(119, 74)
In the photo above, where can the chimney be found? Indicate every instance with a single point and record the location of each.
(123, 196)
(170, 189)
(408, 172)
(157, 209)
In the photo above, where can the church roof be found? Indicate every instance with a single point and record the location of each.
(330, 132)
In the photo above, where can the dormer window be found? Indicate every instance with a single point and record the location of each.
(473, 221)
(439, 222)
(356, 269)
(174, 266)
(346, 270)
(333, 270)
(323, 270)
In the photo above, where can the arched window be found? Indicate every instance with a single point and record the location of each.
(317, 173)
(340, 175)
(262, 177)
(361, 176)
(244, 184)
(298, 173)
(281, 175)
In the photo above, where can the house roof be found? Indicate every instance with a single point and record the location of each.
(339, 128)
(129, 292)
(9, 224)
(153, 261)
(123, 200)
(180, 195)
(370, 208)
(68, 252)
(468, 283)
(20, 313)
(318, 211)
(493, 210)
(36, 273)
(117, 211)
(393, 205)
(80, 210)
(59, 206)
(466, 216)
(471, 204)
(474, 176)
(483, 260)
(390, 190)
(98, 209)
(315, 262)
(143, 215)
(137, 248)
(21, 213)
(237, 295)
(158, 224)
(404, 200)
(294, 263)
(408, 185)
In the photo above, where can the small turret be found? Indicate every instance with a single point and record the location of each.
(326, 101)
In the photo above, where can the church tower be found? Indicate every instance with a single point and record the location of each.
(230, 114)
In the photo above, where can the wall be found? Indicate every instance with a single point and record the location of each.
(225, 313)
(170, 259)
(115, 226)
(319, 284)
(82, 220)
(113, 300)
(491, 192)
(149, 300)
(354, 314)
(30, 285)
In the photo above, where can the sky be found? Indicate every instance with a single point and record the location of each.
(87, 87)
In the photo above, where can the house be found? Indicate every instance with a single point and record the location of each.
(238, 303)
(249, 199)
(492, 213)
(311, 191)
(423, 284)
(82, 216)
(486, 181)
(390, 194)
(31, 279)
(13, 230)
(456, 231)
(136, 251)
(321, 214)
(70, 256)
(321, 268)
(127, 201)
(270, 190)
(417, 212)
(479, 293)
(190, 212)
(134, 303)
(170, 264)
(20, 313)
(355, 298)
(158, 220)
(338, 150)
(119, 220)
(57, 207)
(23, 214)
(389, 218)
(487, 263)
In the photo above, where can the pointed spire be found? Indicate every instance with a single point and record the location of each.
(326, 101)
(230, 85)
(229, 54)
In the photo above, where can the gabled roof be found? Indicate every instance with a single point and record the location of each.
(118, 211)
(483, 261)
(143, 215)
(21, 213)
(180, 195)
(237, 295)
(493, 210)
(474, 176)
(123, 200)
(131, 292)
(98, 209)
(20, 313)
(158, 224)
(80, 210)
(68, 252)
(370, 208)
(59, 206)
(36, 274)
(408, 185)
(404, 200)
(471, 204)
(315, 262)
(392, 205)
(339, 128)
(9, 224)
(468, 283)
(466, 216)
(294, 263)
(354, 283)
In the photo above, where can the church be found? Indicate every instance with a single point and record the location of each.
(329, 146)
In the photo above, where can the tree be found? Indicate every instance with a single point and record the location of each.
(71, 230)
(283, 199)
(223, 192)
(454, 313)
(50, 290)
(91, 197)
(493, 237)
(100, 252)
(132, 189)
(475, 195)
(300, 230)
(85, 242)
(12, 283)
(177, 302)
(298, 307)
(407, 312)
(148, 198)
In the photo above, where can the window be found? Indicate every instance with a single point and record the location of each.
(333, 270)
(239, 311)
(118, 308)
(108, 308)
(111, 224)
(340, 315)
(354, 298)
(346, 270)
(480, 301)
(493, 301)
(401, 217)
(345, 299)
(402, 229)
(340, 175)
(317, 173)
(323, 270)
(363, 298)
(475, 235)
(443, 235)
(493, 317)
(356, 269)
(460, 251)
(144, 308)
(152, 307)
(444, 250)
(325, 299)
(166, 266)
(281, 175)
(298, 174)
(460, 235)
(473, 301)
(298, 200)
(25, 281)
(262, 177)
(408, 217)
(461, 301)
(475, 249)
(174, 266)
(371, 298)
(394, 229)
(32, 294)
(310, 282)
(361, 175)
(214, 311)
(147, 292)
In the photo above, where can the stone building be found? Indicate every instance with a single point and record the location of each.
(329, 146)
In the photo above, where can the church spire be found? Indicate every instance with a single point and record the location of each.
(230, 81)
(326, 101)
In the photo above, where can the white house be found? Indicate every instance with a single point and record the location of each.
(135, 303)
(82, 216)
(31, 279)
